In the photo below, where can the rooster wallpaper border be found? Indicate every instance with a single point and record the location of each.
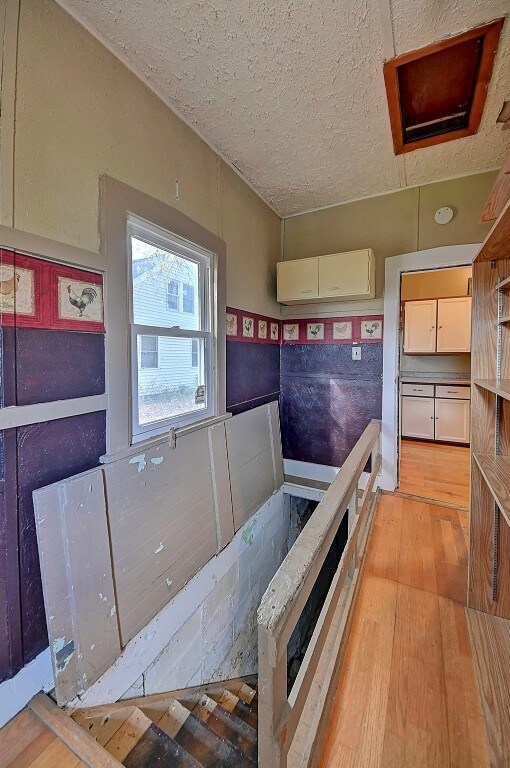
(51, 293)
(367, 329)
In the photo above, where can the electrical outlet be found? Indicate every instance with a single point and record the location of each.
(356, 353)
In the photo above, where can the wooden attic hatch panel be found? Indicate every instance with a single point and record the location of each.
(438, 93)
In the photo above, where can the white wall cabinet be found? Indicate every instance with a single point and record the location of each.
(345, 276)
(436, 418)
(298, 280)
(454, 325)
(437, 326)
(420, 327)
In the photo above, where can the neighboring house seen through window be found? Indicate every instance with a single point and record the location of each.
(171, 313)
(148, 352)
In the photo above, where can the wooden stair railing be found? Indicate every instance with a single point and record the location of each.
(286, 596)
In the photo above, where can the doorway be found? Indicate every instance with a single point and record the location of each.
(434, 384)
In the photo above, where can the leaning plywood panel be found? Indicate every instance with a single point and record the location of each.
(221, 485)
(254, 457)
(163, 524)
(79, 598)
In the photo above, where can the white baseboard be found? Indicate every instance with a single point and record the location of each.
(16, 692)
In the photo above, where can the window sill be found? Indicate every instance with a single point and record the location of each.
(153, 442)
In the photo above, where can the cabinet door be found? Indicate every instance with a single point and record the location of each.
(347, 274)
(298, 280)
(452, 420)
(420, 327)
(454, 325)
(418, 417)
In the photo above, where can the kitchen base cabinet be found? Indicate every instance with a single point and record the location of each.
(452, 420)
(418, 417)
(435, 412)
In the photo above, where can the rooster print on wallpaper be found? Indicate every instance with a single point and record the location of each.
(8, 287)
(88, 295)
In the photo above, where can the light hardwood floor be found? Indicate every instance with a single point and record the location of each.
(435, 471)
(407, 694)
(26, 741)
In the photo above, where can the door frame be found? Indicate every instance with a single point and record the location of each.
(417, 261)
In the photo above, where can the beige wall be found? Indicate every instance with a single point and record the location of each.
(81, 113)
(435, 284)
(392, 224)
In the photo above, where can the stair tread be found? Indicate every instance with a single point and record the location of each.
(128, 734)
(199, 740)
(227, 725)
(155, 749)
(233, 703)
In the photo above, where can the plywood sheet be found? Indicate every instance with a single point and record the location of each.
(255, 459)
(163, 524)
(79, 597)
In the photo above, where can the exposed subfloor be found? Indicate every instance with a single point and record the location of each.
(435, 471)
(407, 694)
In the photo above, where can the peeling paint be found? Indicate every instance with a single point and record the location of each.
(169, 582)
(160, 548)
(113, 610)
(63, 653)
(157, 460)
(140, 460)
(248, 535)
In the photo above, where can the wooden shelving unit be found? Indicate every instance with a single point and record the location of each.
(500, 387)
(496, 472)
(489, 564)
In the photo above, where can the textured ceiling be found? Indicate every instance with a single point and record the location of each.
(292, 92)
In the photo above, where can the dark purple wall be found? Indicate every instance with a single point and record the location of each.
(327, 399)
(57, 365)
(48, 452)
(253, 374)
(39, 366)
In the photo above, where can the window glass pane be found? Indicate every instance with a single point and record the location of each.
(148, 352)
(172, 296)
(188, 298)
(194, 353)
(165, 288)
(176, 387)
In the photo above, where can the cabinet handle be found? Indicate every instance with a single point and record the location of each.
(439, 327)
(335, 287)
(414, 389)
(309, 291)
(451, 392)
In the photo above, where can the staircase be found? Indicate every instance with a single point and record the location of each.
(200, 728)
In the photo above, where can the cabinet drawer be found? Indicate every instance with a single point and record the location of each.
(448, 391)
(418, 390)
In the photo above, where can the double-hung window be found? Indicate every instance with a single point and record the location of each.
(172, 285)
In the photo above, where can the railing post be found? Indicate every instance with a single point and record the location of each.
(272, 706)
(352, 512)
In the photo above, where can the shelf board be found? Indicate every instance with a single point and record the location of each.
(497, 243)
(496, 473)
(500, 387)
(502, 284)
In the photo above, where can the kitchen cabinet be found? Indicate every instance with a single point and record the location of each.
(437, 326)
(451, 420)
(420, 327)
(418, 417)
(345, 276)
(435, 412)
(454, 325)
(298, 280)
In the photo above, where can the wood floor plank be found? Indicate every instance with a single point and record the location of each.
(407, 693)
(435, 471)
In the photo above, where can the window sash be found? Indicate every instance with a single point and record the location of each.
(204, 294)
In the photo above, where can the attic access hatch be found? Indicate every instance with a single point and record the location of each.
(438, 93)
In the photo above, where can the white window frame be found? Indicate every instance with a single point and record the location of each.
(160, 238)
